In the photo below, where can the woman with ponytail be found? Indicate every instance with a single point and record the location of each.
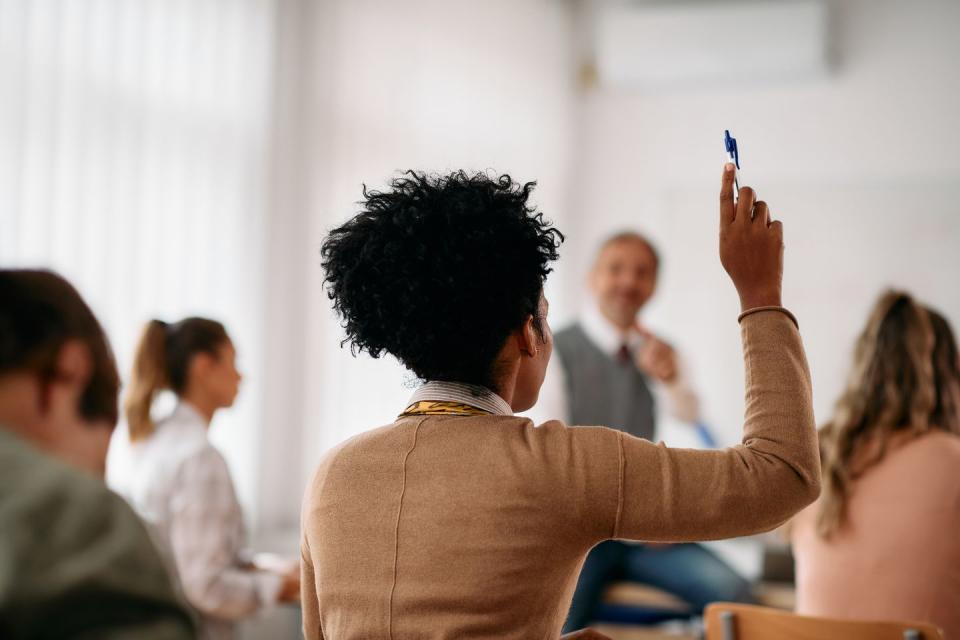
(180, 483)
(881, 542)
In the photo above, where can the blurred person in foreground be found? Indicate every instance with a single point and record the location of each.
(180, 483)
(612, 370)
(75, 561)
(882, 541)
(462, 520)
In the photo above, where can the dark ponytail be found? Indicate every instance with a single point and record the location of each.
(162, 361)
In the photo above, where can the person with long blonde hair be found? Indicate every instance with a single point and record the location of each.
(180, 483)
(881, 542)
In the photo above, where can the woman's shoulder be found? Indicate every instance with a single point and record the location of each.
(49, 492)
(177, 452)
(928, 460)
(371, 449)
(943, 438)
(935, 442)
(934, 446)
(176, 438)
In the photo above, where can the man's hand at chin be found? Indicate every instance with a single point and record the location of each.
(655, 357)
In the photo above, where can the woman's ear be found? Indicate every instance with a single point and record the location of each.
(200, 365)
(528, 338)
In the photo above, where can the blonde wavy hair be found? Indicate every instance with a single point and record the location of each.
(904, 380)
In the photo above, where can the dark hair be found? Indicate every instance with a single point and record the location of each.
(39, 312)
(633, 236)
(163, 361)
(946, 374)
(439, 270)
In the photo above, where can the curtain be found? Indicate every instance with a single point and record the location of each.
(134, 141)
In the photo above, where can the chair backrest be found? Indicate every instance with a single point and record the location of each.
(728, 621)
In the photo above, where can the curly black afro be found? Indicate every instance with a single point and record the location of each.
(439, 270)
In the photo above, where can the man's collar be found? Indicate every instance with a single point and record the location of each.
(603, 333)
(473, 395)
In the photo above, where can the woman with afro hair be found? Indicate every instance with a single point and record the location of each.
(461, 520)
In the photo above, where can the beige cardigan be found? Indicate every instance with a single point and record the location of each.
(476, 527)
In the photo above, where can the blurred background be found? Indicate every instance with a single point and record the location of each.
(175, 157)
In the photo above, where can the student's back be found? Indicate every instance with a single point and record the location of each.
(475, 526)
(75, 561)
(897, 556)
(438, 523)
(881, 542)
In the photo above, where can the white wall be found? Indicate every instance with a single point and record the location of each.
(429, 85)
(860, 164)
(132, 140)
(434, 85)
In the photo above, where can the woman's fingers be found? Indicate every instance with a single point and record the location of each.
(727, 209)
(745, 203)
(761, 213)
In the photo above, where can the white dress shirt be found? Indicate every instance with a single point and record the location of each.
(676, 397)
(181, 486)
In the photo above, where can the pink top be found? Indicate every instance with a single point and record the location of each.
(897, 557)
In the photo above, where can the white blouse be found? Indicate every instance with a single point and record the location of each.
(181, 486)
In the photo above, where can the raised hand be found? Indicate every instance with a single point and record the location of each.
(751, 245)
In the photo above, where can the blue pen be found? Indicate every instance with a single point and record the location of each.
(733, 155)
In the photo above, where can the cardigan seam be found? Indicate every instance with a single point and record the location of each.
(396, 536)
(620, 461)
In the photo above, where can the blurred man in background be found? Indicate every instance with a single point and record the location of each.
(612, 370)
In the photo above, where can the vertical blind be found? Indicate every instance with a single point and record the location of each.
(133, 160)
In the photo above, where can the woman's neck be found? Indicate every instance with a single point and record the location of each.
(201, 405)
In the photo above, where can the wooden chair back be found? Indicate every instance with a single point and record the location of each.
(728, 621)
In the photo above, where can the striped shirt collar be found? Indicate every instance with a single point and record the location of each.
(471, 394)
